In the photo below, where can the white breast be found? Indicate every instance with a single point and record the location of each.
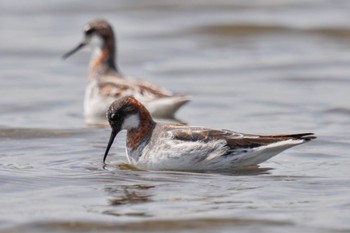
(95, 104)
(169, 154)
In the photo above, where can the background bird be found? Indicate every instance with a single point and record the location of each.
(106, 83)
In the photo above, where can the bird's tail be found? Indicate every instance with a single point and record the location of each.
(301, 136)
(166, 107)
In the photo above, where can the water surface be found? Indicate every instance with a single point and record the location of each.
(260, 67)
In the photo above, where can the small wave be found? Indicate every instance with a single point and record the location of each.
(146, 226)
(23, 133)
(237, 29)
(340, 111)
(247, 29)
(334, 32)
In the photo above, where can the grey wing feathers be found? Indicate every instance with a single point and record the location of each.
(251, 142)
(233, 139)
(118, 88)
(200, 134)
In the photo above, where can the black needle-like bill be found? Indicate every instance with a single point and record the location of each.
(74, 50)
(111, 140)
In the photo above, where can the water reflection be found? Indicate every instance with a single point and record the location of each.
(129, 194)
(177, 225)
(249, 171)
(136, 194)
(241, 171)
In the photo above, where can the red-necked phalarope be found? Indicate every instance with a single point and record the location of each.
(107, 84)
(155, 146)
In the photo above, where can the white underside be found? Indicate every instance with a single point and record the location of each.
(197, 156)
(165, 107)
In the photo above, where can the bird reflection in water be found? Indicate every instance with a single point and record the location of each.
(128, 195)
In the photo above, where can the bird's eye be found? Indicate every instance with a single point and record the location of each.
(115, 116)
(89, 31)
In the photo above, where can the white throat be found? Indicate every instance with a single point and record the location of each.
(96, 44)
(131, 122)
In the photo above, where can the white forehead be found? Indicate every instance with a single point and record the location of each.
(86, 27)
(131, 122)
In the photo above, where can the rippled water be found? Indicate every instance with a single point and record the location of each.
(252, 66)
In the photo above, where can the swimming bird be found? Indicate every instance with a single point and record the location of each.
(106, 83)
(155, 146)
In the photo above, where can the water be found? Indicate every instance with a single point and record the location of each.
(260, 67)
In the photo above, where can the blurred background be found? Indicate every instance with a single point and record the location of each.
(246, 60)
(259, 66)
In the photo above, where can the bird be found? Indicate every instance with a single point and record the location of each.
(156, 146)
(106, 83)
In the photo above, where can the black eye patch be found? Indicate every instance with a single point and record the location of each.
(90, 31)
(114, 116)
